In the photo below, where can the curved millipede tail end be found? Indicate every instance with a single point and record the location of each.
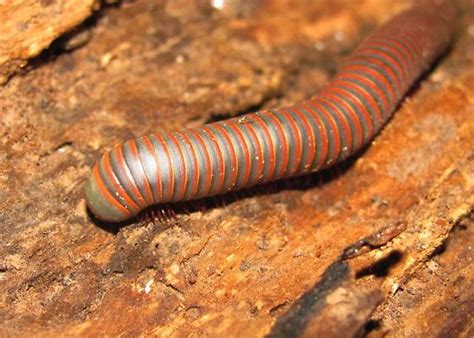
(99, 200)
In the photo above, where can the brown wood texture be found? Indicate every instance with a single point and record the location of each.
(238, 267)
(29, 27)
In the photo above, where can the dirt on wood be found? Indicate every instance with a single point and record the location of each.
(80, 76)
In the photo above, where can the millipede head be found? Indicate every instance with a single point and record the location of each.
(98, 200)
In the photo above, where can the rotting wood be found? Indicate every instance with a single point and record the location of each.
(233, 269)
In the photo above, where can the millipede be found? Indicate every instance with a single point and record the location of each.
(269, 145)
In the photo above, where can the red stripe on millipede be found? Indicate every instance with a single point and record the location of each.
(389, 59)
(106, 194)
(354, 117)
(400, 57)
(365, 114)
(152, 151)
(366, 95)
(235, 169)
(208, 160)
(284, 143)
(372, 86)
(406, 47)
(414, 41)
(245, 150)
(335, 131)
(171, 171)
(322, 128)
(129, 177)
(259, 150)
(268, 137)
(195, 163)
(310, 134)
(184, 177)
(297, 137)
(145, 183)
(388, 70)
(347, 128)
(220, 163)
(117, 185)
(386, 84)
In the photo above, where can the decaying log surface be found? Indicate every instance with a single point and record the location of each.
(28, 27)
(238, 268)
(437, 301)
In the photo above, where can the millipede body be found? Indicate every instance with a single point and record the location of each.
(268, 145)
